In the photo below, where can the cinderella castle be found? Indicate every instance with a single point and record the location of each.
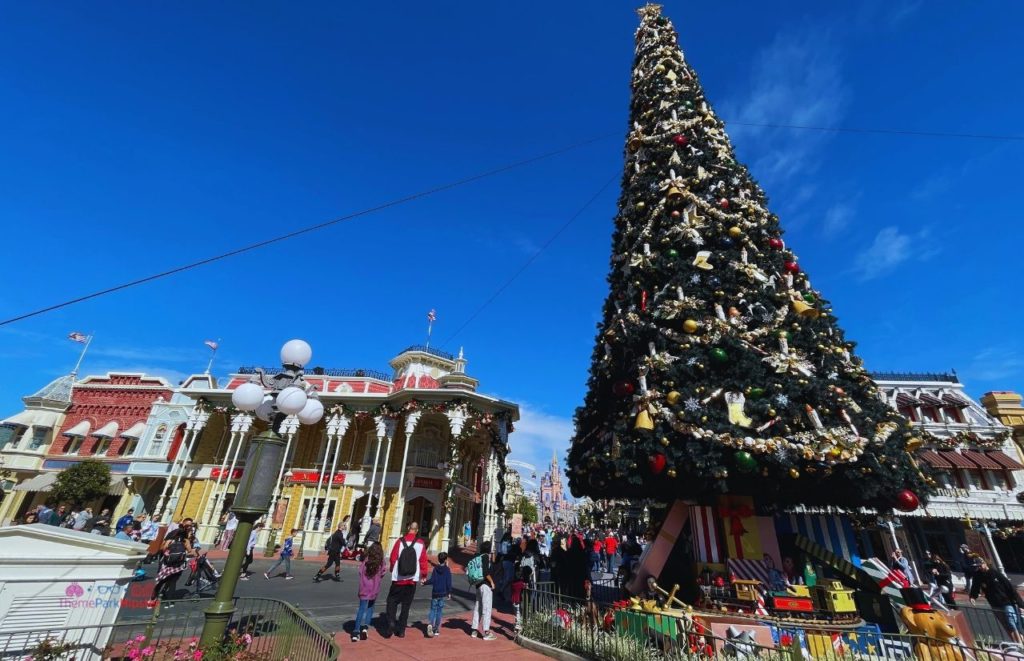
(554, 508)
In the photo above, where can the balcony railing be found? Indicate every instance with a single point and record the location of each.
(324, 371)
(915, 376)
(431, 350)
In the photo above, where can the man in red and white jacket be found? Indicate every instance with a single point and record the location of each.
(409, 567)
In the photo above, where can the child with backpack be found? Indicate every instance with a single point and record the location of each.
(480, 573)
(441, 580)
(521, 582)
(371, 573)
(285, 559)
(175, 551)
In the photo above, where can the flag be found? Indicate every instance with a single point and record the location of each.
(210, 343)
(75, 336)
(432, 316)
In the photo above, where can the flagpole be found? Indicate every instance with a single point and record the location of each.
(213, 355)
(81, 356)
(430, 327)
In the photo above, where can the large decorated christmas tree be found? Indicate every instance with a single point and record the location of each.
(718, 368)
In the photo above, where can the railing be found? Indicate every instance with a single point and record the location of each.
(265, 628)
(914, 376)
(431, 350)
(324, 371)
(597, 632)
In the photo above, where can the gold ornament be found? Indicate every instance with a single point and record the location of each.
(735, 232)
(734, 313)
(643, 420)
(701, 260)
(794, 473)
(771, 413)
(805, 310)
(664, 441)
(671, 473)
(641, 205)
(672, 397)
(659, 69)
(674, 195)
(690, 326)
(913, 444)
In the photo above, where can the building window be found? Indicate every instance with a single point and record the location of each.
(426, 453)
(127, 448)
(10, 435)
(997, 480)
(40, 437)
(74, 445)
(102, 446)
(973, 479)
(323, 513)
(156, 448)
(370, 451)
(908, 413)
(930, 414)
(953, 414)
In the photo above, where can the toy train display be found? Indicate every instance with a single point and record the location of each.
(830, 602)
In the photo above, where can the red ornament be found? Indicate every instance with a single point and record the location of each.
(719, 582)
(681, 139)
(792, 267)
(907, 501)
(623, 388)
(724, 203)
(775, 243)
(657, 463)
(643, 301)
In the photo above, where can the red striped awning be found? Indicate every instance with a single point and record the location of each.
(934, 460)
(982, 460)
(903, 399)
(1005, 460)
(957, 459)
(954, 400)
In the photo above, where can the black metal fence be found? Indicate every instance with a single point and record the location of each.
(259, 629)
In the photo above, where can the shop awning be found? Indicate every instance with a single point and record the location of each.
(41, 482)
(935, 460)
(81, 429)
(957, 459)
(949, 399)
(135, 431)
(117, 485)
(903, 399)
(930, 399)
(983, 461)
(33, 419)
(1005, 460)
(108, 430)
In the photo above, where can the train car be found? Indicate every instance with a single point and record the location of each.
(834, 598)
(794, 601)
(830, 602)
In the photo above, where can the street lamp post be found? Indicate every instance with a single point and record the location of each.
(273, 398)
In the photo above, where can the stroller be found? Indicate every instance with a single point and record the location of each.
(203, 576)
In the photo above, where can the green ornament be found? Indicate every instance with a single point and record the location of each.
(720, 355)
(745, 462)
(784, 334)
(809, 297)
(756, 393)
(672, 253)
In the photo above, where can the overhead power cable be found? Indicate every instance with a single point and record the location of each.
(533, 258)
(311, 228)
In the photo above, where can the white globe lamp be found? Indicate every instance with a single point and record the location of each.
(296, 353)
(311, 412)
(247, 397)
(265, 411)
(291, 400)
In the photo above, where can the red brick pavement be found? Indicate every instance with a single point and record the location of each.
(453, 643)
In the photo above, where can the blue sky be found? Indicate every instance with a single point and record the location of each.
(137, 137)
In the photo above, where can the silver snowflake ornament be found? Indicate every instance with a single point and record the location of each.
(782, 400)
(695, 278)
(692, 405)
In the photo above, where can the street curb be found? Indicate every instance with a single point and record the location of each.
(547, 650)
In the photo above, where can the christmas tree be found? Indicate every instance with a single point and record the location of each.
(718, 368)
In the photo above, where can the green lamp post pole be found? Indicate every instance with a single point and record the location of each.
(289, 395)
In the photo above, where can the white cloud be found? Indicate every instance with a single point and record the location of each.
(892, 248)
(537, 436)
(173, 376)
(996, 363)
(837, 219)
(797, 80)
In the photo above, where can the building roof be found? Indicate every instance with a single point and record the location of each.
(916, 377)
(58, 390)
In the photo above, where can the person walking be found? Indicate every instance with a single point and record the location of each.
(230, 526)
(373, 532)
(336, 543)
(408, 561)
(250, 546)
(480, 572)
(285, 558)
(175, 552)
(611, 545)
(467, 533)
(1001, 595)
(970, 564)
(371, 572)
(441, 582)
(940, 578)
(521, 582)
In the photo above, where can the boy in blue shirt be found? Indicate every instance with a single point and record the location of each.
(285, 559)
(441, 580)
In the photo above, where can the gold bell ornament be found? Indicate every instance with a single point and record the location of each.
(674, 195)
(643, 420)
(805, 310)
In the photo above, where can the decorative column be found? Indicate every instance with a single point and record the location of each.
(389, 435)
(483, 527)
(240, 425)
(331, 435)
(288, 429)
(411, 420)
(370, 509)
(500, 454)
(341, 427)
(194, 427)
(457, 421)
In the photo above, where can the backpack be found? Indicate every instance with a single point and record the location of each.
(475, 570)
(175, 554)
(407, 560)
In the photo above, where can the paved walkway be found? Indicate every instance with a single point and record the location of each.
(453, 643)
